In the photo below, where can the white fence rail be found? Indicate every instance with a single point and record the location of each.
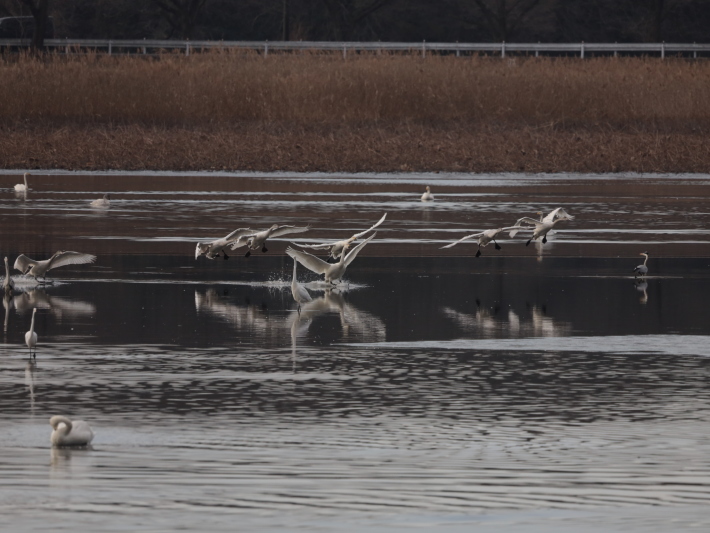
(70, 46)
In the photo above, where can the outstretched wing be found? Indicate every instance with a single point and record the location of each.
(70, 258)
(358, 235)
(318, 246)
(311, 262)
(353, 254)
(285, 230)
(558, 213)
(24, 263)
(524, 220)
(237, 234)
(467, 237)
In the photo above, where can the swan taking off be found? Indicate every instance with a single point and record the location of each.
(331, 271)
(427, 196)
(23, 187)
(300, 294)
(642, 270)
(255, 241)
(68, 433)
(31, 336)
(542, 227)
(103, 203)
(337, 248)
(485, 237)
(555, 214)
(38, 269)
(7, 283)
(211, 250)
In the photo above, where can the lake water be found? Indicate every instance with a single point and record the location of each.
(535, 388)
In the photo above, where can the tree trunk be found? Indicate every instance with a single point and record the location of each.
(39, 10)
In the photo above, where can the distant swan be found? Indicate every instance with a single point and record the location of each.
(300, 294)
(102, 202)
(427, 196)
(337, 248)
(8, 284)
(258, 240)
(31, 336)
(332, 272)
(38, 269)
(212, 249)
(642, 270)
(23, 187)
(68, 433)
(485, 237)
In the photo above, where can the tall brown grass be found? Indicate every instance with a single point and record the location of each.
(311, 89)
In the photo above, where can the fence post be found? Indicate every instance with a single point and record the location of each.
(663, 50)
(187, 49)
(537, 51)
(345, 51)
(615, 51)
(502, 49)
(109, 47)
(424, 48)
(458, 52)
(266, 49)
(695, 52)
(581, 52)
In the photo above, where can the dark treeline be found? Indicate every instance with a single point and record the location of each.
(384, 20)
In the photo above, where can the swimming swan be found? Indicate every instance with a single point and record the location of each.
(23, 188)
(68, 433)
(211, 250)
(38, 269)
(300, 294)
(337, 248)
(31, 336)
(103, 203)
(258, 240)
(427, 196)
(7, 284)
(485, 237)
(331, 271)
(642, 270)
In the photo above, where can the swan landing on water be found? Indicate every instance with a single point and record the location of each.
(38, 269)
(68, 433)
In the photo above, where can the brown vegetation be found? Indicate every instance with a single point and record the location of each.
(319, 112)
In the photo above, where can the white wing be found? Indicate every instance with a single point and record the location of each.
(524, 220)
(467, 237)
(318, 246)
(285, 230)
(352, 255)
(237, 234)
(24, 263)
(70, 258)
(311, 262)
(358, 235)
(558, 213)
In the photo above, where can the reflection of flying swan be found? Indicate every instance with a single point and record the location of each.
(31, 336)
(300, 294)
(68, 433)
(39, 268)
(254, 241)
(538, 325)
(211, 250)
(642, 270)
(242, 317)
(427, 196)
(30, 380)
(102, 203)
(7, 284)
(20, 187)
(331, 271)
(57, 305)
(337, 248)
(485, 237)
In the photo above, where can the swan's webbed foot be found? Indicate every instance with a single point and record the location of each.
(544, 239)
(497, 245)
(478, 253)
(528, 243)
(264, 250)
(299, 309)
(225, 255)
(248, 253)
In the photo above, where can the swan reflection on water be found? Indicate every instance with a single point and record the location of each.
(31, 381)
(489, 324)
(641, 286)
(66, 463)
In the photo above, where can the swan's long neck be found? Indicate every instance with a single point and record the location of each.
(32, 324)
(646, 259)
(294, 273)
(25, 178)
(7, 272)
(58, 419)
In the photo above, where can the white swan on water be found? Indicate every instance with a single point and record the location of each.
(299, 292)
(7, 284)
(31, 336)
(337, 248)
(38, 269)
(20, 187)
(427, 196)
(68, 433)
(485, 237)
(102, 203)
(331, 271)
(211, 250)
(258, 240)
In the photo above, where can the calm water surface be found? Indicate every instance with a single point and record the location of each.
(531, 389)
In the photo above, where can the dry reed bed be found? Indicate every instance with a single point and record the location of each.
(314, 88)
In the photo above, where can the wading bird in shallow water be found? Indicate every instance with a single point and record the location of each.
(427, 196)
(642, 270)
(337, 248)
(7, 283)
(254, 241)
(102, 203)
(300, 294)
(31, 336)
(38, 269)
(485, 237)
(68, 433)
(331, 271)
(211, 250)
(20, 187)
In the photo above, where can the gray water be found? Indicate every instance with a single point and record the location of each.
(530, 389)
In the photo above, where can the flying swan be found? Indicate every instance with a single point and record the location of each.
(642, 270)
(542, 227)
(485, 237)
(211, 250)
(23, 187)
(103, 203)
(68, 433)
(337, 248)
(38, 269)
(254, 241)
(555, 214)
(331, 271)
(31, 336)
(300, 294)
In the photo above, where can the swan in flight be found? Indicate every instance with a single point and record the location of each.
(254, 241)
(555, 214)
(211, 250)
(39, 268)
(31, 336)
(542, 227)
(23, 187)
(331, 271)
(642, 270)
(300, 294)
(427, 196)
(485, 237)
(68, 433)
(337, 248)
(103, 203)
(7, 284)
